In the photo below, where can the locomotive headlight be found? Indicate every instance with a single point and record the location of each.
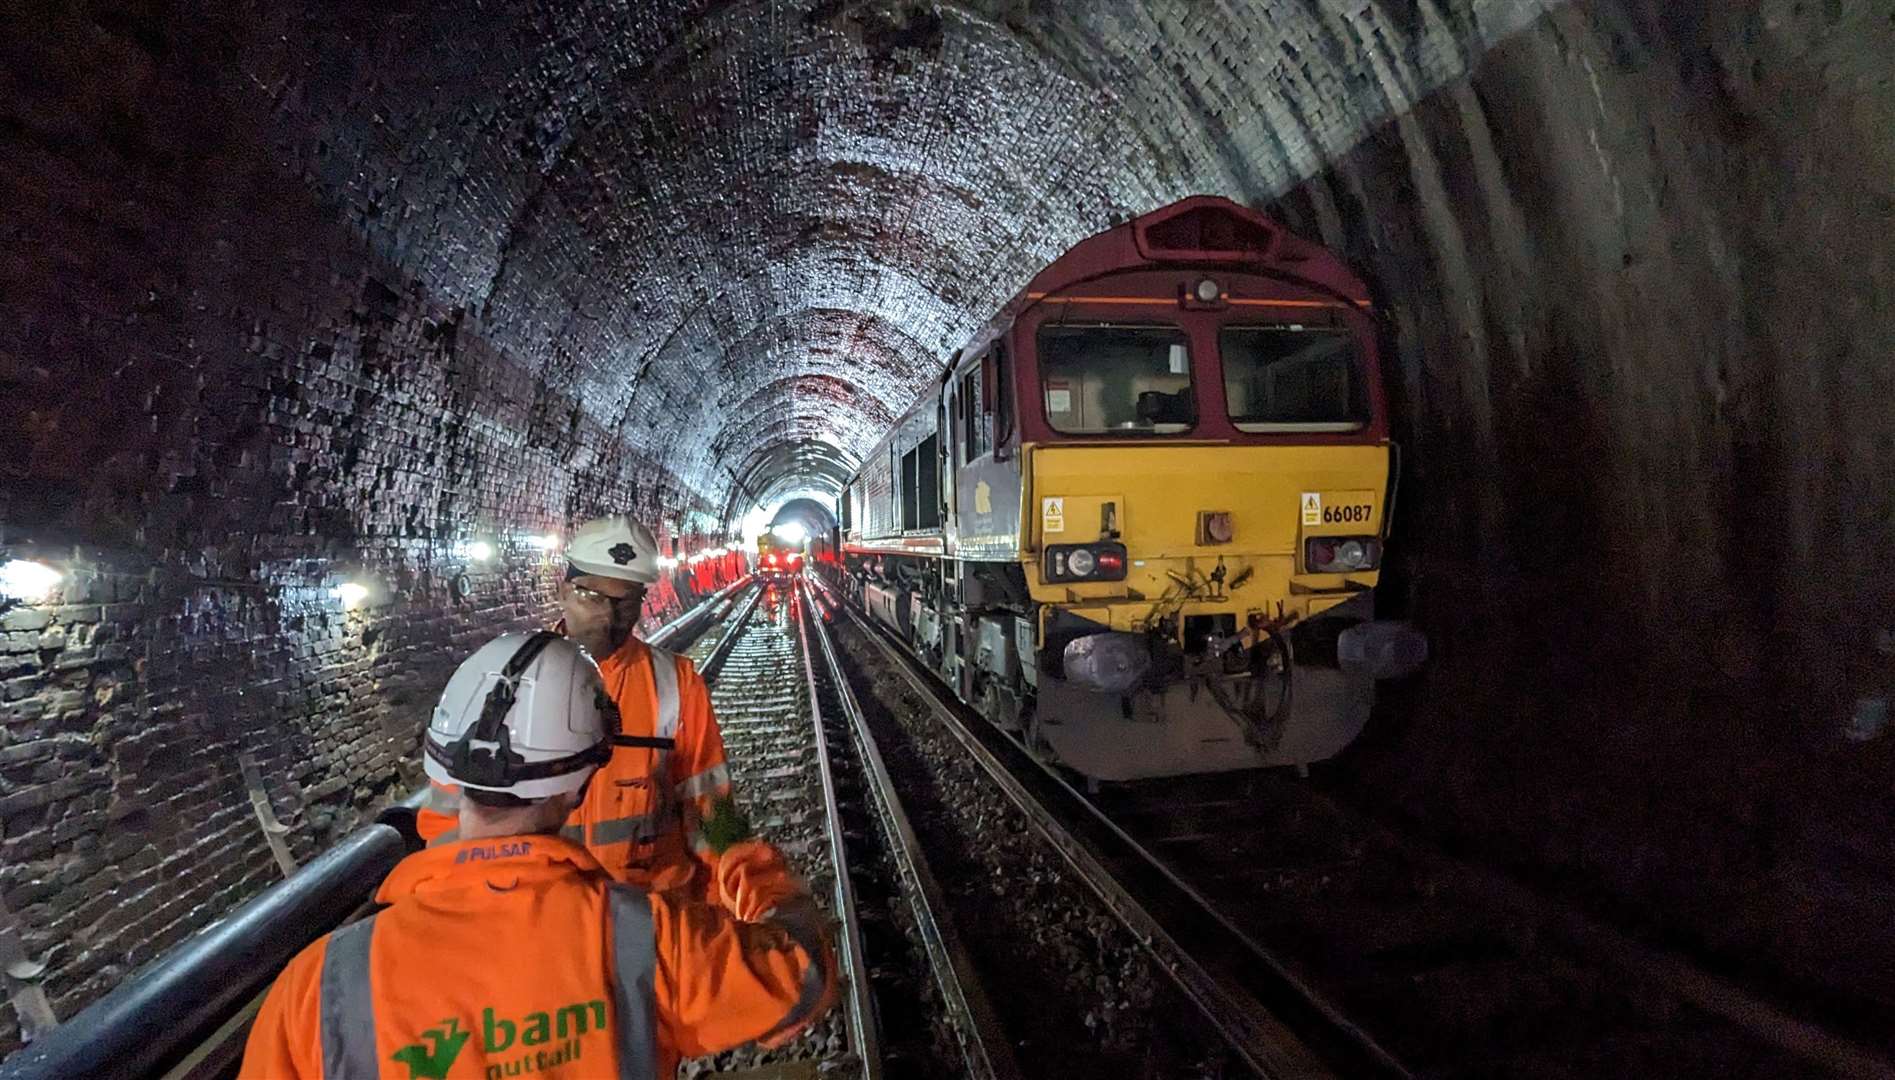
(1209, 290)
(1084, 562)
(1080, 563)
(1341, 554)
(1352, 554)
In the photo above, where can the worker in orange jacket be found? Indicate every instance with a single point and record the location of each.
(510, 951)
(650, 817)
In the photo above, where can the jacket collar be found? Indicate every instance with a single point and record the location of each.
(500, 860)
(629, 654)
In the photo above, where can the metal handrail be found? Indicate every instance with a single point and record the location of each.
(681, 626)
(714, 663)
(177, 1000)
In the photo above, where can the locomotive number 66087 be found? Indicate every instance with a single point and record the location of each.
(1110, 526)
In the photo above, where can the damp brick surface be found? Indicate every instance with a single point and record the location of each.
(293, 295)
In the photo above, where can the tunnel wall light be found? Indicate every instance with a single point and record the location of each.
(480, 551)
(352, 594)
(28, 581)
(548, 542)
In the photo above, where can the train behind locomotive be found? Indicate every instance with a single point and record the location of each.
(1141, 519)
(777, 560)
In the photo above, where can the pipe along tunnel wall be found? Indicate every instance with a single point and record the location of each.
(294, 296)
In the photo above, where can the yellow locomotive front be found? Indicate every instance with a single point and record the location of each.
(1204, 476)
(1142, 518)
(1185, 582)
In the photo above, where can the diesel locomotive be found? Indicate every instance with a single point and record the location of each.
(776, 560)
(1141, 519)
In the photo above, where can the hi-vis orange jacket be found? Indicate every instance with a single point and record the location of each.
(519, 956)
(643, 813)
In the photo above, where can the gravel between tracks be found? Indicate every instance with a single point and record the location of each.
(1077, 994)
(763, 710)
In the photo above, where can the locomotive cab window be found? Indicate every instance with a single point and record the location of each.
(911, 489)
(1097, 380)
(977, 419)
(928, 484)
(1292, 378)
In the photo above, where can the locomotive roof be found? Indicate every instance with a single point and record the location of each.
(1207, 230)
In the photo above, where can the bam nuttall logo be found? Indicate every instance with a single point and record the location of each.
(433, 1065)
(526, 1036)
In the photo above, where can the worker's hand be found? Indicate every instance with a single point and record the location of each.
(752, 879)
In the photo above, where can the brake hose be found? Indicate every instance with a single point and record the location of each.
(1264, 731)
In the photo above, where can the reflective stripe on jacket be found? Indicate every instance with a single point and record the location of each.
(642, 813)
(520, 955)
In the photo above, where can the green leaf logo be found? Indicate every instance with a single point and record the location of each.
(726, 825)
(433, 1065)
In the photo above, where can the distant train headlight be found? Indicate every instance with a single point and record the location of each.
(1084, 562)
(1341, 554)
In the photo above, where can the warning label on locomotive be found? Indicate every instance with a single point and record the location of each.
(1338, 508)
(1052, 515)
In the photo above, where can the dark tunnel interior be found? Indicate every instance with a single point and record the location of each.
(294, 295)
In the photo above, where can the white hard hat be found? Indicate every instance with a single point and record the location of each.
(527, 714)
(615, 547)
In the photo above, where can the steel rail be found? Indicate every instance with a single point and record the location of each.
(864, 1023)
(1638, 961)
(1242, 989)
(985, 1047)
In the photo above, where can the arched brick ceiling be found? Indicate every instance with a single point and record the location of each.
(674, 211)
(294, 291)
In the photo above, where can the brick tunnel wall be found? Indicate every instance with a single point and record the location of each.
(223, 405)
(1638, 273)
(1634, 271)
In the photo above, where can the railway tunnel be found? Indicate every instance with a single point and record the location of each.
(321, 323)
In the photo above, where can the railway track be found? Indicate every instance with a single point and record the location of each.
(1315, 939)
(911, 1005)
(1457, 968)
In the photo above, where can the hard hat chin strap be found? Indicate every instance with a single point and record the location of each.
(500, 765)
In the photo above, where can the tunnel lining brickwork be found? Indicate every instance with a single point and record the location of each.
(293, 296)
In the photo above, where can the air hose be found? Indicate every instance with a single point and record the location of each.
(1261, 719)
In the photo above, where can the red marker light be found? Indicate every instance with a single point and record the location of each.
(1110, 562)
(1322, 554)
